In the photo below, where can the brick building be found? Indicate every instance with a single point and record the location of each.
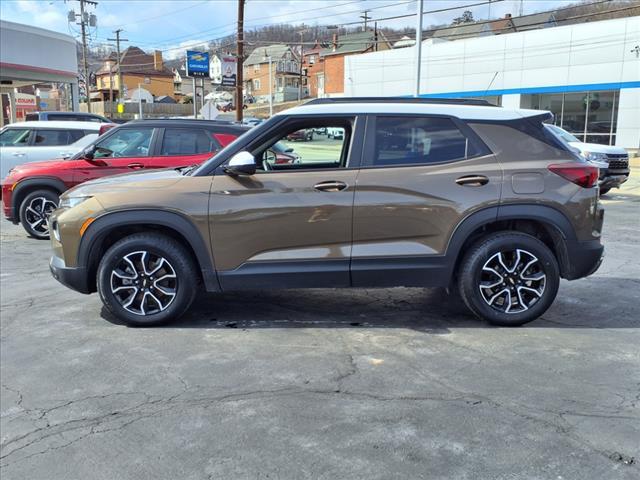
(137, 67)
(332, 59)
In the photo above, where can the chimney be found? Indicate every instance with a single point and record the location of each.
(157, 60)
(507, 15)
(334, 42)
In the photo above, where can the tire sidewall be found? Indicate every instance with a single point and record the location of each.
(179, 259)
(471, 272)
(49, 195)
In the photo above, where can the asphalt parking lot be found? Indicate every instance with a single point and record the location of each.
(371, 384)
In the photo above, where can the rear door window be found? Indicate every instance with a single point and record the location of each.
(48, 138)
(187, 141)
(420, 140)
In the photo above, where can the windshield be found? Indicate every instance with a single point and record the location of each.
(563, 134)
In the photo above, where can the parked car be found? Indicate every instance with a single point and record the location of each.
(34, 141)
(461, 194)
(304, 135)
(283, 154)
(337, 133)
(30, 192)
(252, 121)
(66, 117)
(612, 161)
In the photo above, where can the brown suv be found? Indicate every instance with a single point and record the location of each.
(417, 193)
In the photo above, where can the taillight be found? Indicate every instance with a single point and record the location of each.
(224, 138)
(105, 127)
(581, 174)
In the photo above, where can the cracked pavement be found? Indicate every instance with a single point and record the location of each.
(371, 384)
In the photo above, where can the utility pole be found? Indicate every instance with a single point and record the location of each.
(119, 73)
(365, 16)
(240, 62)
(85, 19)
(418, 47)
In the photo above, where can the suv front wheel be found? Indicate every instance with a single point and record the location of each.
(509, 278)
(35, 210)
(147, 279)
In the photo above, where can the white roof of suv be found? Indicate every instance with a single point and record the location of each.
(389, 107)
(58, 125)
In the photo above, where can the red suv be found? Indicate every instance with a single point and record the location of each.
(30, 191)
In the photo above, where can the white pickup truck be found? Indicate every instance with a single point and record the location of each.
(44, 140)
(612, 161)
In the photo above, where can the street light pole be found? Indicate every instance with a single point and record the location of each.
(140, 101)
(418, 47)
(270, 89)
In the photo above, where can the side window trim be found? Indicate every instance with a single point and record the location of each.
(370, 141)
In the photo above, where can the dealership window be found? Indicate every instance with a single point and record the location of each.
(590, 116)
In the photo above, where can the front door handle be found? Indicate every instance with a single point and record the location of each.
(472, 180)
(331, 186)
(135, 165)
(18, 154)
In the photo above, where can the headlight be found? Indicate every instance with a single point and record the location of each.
(70, 202)
(596, 157)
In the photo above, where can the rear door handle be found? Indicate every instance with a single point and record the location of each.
(472, 180)
(135, 165)
(18, 154)
(331, 186)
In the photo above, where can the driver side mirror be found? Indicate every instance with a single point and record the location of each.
(89, 156)
(242, 163)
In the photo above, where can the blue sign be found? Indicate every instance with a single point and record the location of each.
(197, 64)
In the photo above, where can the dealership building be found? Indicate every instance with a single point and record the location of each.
(587, 74)
(30, 57)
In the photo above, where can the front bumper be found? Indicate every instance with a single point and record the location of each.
(612, 180)
(7, 208)
(76, 278)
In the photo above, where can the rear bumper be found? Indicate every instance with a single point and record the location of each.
(74, 278)
(584, 259)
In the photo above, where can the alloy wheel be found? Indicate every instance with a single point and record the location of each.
(512, 281)
(144, 283)
(37, 213)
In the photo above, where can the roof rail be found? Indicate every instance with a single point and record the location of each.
(449, 101)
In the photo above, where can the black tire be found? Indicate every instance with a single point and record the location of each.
(604, 191)
(32, 218)
(474, 280)
(179, 263)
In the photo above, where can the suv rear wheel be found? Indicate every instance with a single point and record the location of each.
(35, 210)
(147, 279)
(509, 278)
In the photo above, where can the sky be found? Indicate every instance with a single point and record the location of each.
(175, 25)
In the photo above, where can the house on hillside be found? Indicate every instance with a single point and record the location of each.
(285, 73)
(507, 24)
(332, 77)
(138, 69)
(313, 70)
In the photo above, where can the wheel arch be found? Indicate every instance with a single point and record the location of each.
(546, 223)
(24, 187)
(109, 228)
